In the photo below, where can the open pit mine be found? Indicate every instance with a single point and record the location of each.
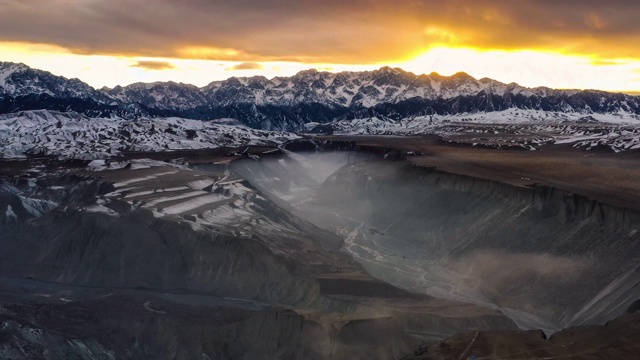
(325, 248)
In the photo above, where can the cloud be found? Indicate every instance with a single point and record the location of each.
(154, 65)
(605, 63)
(246, 66)
(322, 31)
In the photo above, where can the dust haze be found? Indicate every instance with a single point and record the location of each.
(432, 235)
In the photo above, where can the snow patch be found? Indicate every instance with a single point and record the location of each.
(10, 214)
(192, 204)
(74, 136)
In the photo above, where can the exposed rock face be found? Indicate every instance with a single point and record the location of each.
(134, 249)
(152, 262)
(92, 249)
(564, 258)
(126, 327)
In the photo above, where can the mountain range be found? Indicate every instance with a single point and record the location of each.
(311, 96)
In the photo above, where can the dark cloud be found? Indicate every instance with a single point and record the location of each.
(154, 65)
(333, 31)
(246, 66)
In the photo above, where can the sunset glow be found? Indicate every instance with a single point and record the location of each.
(108, 44)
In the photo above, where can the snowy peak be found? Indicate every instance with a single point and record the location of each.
(345, 89)
(160, 95)
(287, 103)
(21, 80)
(7, 69)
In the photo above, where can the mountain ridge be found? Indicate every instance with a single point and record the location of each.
(288, 103)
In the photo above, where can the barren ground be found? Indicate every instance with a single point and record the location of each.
(601, 175)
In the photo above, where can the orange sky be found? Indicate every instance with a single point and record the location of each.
(562, 44)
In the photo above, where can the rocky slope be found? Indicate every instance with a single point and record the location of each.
(145, 261)
(614, 340)
(547, 258)
(248, 261)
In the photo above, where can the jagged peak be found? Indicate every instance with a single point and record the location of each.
(308, 71)
(389, 69)
(257, 78)
(13, 65)
(333, 90)
(462, 75)
(494, 82)
(155, 84)
(233, 81)
(306, 75)
(16, 67)
(9, 68)
(310, 74)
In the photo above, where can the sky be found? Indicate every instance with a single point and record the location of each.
(583, 44)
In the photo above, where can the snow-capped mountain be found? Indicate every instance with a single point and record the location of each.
(21, 80)
(159, 95)
(356, 89)
(74, 136)
(24, 88)
(288, 103)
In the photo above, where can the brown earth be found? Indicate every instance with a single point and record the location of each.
(617, 340)
(600, 175)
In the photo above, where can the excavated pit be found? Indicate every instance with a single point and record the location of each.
(545, 257)
(153, 262)
(333, 251)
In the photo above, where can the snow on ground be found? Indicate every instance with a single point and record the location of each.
(200, 184)
(141, 179)
(430, 123)
(226, 214)
(513, 127)
(192, 204)
(70, 135)
(37, 207)
(99, 207)
(10, 214)
(24, 202)
(157, 201)
(74, 136)
(134, 164)
(202, 200)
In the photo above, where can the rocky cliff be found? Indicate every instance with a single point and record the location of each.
(559, 256)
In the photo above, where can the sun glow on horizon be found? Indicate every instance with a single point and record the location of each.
(529, 68)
